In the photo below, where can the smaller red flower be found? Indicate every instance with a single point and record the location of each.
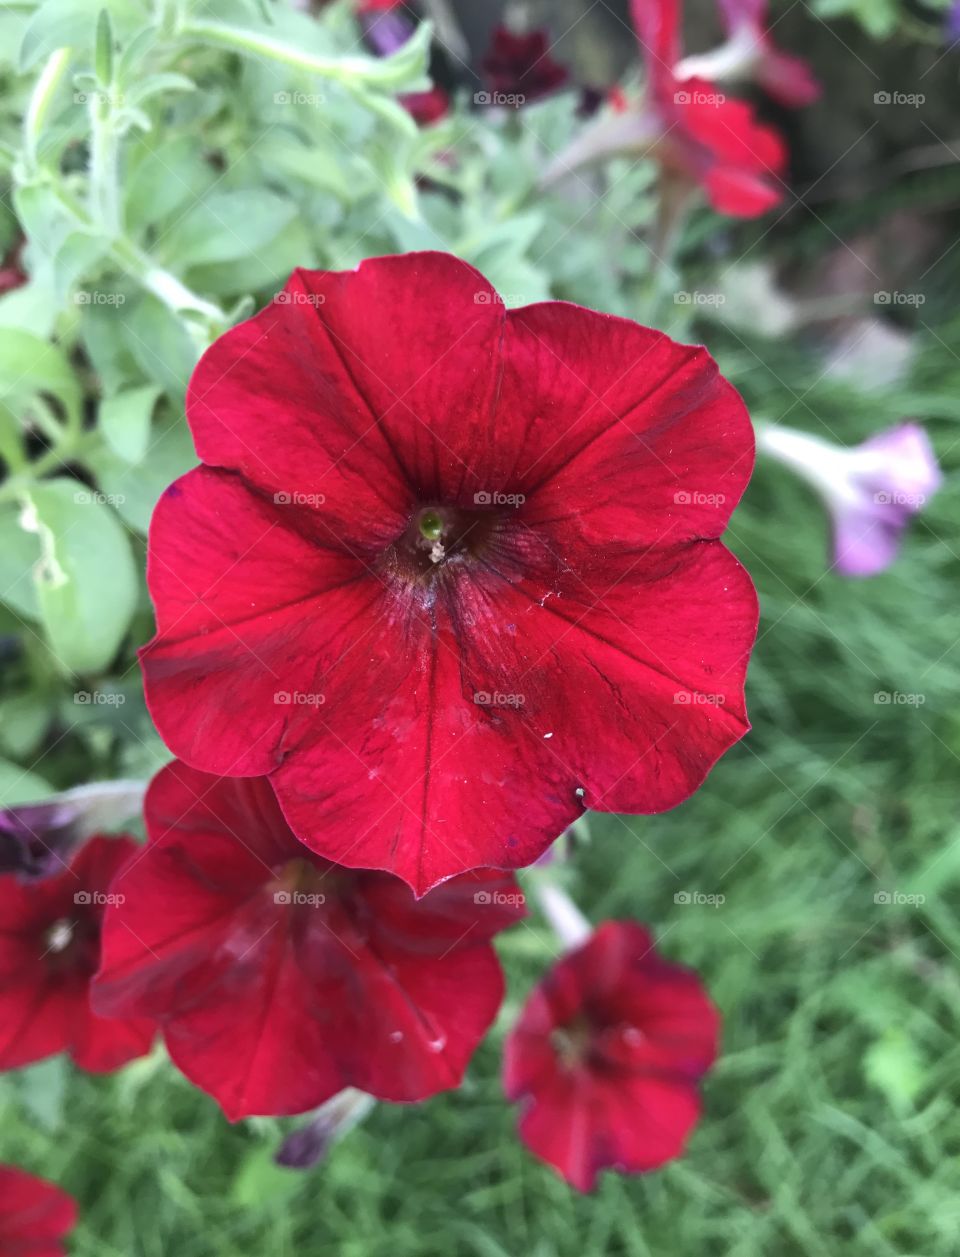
(49, 952)
(426, 107)
(521, 65)
(280, 978)
(706, 136)
(606, 1057)
(34, 1215)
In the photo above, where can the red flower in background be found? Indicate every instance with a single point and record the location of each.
(699, 136)
(278, 978)
(426, 107)
(49, 952)
(750, 53)
(34, 1215)
(521, 65)
(707, 137)
(450, 573)
(606, 1057)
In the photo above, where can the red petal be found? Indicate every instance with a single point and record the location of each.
(34, 1215)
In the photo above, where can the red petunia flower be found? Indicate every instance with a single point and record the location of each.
(606, 1057)
(280, 979)
(521, 65)
(700, 137)
(49, 952)
(426, 107)
(34, 1215)
(750, 53)
(451, 574)
(707, 137)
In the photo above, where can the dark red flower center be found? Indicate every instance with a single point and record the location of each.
(439, 536)
(72, 945)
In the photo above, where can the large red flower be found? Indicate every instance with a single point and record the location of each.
(606, 1057)
(450, 573)
(706, 136)
(49, 952)
(280, 979)
(34, 1215)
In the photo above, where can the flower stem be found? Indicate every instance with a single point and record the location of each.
(567, 921)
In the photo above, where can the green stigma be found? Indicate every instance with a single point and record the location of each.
(431, 525)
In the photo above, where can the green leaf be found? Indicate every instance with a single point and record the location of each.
(136, 488)
(19, 551)
(29, 365)
(161, 345)
(42, 1088)
(125, 421)
(18, 785)
(163, 179)
(86, 580)
(56, 24)
(24, 719)
(228, 226)
(103, 60)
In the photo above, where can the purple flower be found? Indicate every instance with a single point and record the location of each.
(952, 25)
(871, 490)
(36, 839)
(310, 1143)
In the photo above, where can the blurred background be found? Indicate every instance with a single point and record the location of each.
(149, 201)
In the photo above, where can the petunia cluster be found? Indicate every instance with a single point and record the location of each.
(447, 576)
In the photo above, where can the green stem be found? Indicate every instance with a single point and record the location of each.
(66, 449)
(104, 163)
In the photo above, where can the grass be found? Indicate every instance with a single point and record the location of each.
(830, 1122)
